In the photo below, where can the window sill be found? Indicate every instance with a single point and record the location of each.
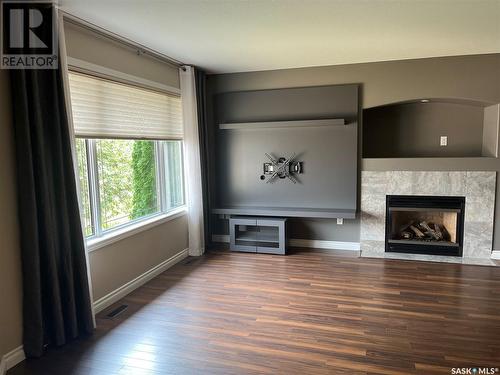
(129, 230)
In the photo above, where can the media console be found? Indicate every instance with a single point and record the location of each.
(257, 234)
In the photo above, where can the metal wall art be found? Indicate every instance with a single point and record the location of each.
(281, 168)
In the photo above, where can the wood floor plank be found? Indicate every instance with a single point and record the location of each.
(310, 312)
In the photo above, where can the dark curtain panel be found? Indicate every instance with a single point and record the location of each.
(56, 304)
(201, 101)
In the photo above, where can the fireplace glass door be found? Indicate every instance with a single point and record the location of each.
(425, 224)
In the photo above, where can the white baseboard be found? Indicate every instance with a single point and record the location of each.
(495, 254)
(11, 359)
(122, 291)
(298, 242)
(321, 244)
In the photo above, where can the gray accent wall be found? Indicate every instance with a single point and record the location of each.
(464, 77)
(328, 153)
(474, 77)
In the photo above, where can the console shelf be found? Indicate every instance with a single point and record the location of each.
(318, 213)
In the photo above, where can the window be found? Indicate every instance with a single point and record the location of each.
(129, 152)
(81, 152)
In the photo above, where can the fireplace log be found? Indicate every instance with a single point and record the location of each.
(406, 235)
(438, 231)
(405, 227)
(429, 231)
(417, 231)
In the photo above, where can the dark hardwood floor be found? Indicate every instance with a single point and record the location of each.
(310, 312)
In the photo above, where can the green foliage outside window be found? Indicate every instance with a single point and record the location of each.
(127, 180)
(144, 179)
(114, 159)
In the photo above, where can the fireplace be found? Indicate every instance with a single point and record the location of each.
(420, 224)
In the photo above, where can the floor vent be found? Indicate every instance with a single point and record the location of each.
(117, 311)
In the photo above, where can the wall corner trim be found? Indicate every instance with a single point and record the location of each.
(495, 254)
(11, 359)
(299, 242)
(140, 280)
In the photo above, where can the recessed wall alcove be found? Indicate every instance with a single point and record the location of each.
(414, 129)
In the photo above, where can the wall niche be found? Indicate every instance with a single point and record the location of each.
(414, 129)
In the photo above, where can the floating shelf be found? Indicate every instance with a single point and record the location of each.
(281, 124)
(319, 213)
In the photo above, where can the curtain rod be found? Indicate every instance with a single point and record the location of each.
(141, 49)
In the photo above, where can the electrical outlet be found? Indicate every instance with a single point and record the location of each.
(340, 221)
(443, 141)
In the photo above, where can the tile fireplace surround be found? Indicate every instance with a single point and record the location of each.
(478, 188)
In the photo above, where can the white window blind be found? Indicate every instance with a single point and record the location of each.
(107, 109)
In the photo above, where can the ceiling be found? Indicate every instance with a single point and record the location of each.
(224, 36)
